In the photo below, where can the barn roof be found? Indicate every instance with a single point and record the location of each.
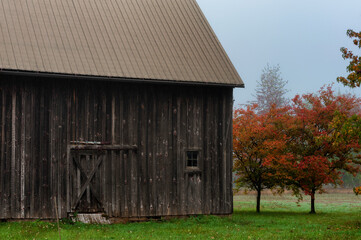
(158, 40)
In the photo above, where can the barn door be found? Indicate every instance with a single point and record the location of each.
(193, 178)
(85, 181)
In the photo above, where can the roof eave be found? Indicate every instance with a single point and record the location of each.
(117, 79)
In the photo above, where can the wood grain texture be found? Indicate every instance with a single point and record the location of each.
(144, 132)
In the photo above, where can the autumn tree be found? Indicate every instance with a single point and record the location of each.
(255, 138)
(357, 190)
(270, 89)
(322, 138)
(354, 68)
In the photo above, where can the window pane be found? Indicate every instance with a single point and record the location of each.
(192, 159)
(189, 155)
(189, 163)
(195, 163)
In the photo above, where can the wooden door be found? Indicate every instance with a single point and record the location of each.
(193, 178)
(194, 192)
(85, 181)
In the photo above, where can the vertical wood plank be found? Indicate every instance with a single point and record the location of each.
(22, 156)
(126, 165)
(113, 155)
(142, 154)
(8, 150)
(2, 147)
(133, 158)
(126, 193)
(219, 150)
(223, 142)
(107, 138)
(36, 156)
(174, 158)
(118, 158)
(120, 139)
(13, 152)
(29, 109)
(169, 156)
(53, 160)
(163, 187)
(39, 119)
(121, 188)
(229, 181)
(180, 166)
(69, 137)
(17, 191)
(3, 180)
(215, 152)
(50, 170)
(182, 141)
(46, 164)
(151, 140)
(63, 144)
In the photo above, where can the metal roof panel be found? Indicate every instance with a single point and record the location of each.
(133, 39)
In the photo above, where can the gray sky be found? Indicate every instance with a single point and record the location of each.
(303, 37)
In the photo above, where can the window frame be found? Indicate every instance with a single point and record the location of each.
(197, 168)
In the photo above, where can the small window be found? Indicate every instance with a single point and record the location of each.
(192, 159)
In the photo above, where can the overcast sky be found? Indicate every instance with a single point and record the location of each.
(303, 37)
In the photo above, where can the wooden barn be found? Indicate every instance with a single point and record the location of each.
(120, 107)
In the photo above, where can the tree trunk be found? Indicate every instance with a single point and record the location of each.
(258, 201)
(313, 202)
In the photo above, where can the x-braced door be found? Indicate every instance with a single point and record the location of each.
(86, 181)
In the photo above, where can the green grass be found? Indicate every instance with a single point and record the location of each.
(338, 217)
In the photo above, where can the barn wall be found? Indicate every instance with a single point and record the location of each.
(39, 118)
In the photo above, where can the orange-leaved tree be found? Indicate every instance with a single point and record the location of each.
(322, 138)
(256, 138)
(357, 190)
(354, 68)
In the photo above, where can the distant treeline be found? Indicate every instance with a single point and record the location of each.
(350, 181)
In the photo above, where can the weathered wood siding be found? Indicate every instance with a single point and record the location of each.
(39, 118)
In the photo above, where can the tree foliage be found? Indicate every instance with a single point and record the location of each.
(255, 138)
(357, 190)
(270, 90)
(301, 147)
(354, 68)
(323, 138)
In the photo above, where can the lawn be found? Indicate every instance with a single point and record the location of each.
(338, 217)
